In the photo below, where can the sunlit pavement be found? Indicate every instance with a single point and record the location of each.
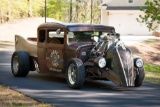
(133, 39)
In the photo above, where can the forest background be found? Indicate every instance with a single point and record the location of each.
(80, 11)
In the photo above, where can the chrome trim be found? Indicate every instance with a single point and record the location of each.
(122, 65)
(83, 46)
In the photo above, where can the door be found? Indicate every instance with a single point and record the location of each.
(54, 51)
(127, 24)
(41, 51)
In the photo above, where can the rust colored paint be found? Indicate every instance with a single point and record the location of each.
(56, 57)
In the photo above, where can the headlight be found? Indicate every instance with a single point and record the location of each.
(102, 62)
(138, 62)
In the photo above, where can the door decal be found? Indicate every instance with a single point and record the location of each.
(54, 62)
(54, 56)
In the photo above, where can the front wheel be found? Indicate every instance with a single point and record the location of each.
(75, 73)
(140, 74)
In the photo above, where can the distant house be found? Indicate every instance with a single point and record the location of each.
(122, 15)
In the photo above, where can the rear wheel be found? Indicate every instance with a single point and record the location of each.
(75, 73)
(20, 64)
(140, 74)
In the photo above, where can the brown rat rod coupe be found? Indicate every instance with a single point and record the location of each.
(77, 52)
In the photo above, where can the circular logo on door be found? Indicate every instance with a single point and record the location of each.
(54, 55)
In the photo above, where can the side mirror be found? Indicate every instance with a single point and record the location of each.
(58, 31)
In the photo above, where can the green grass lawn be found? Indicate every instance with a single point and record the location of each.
(152, 73)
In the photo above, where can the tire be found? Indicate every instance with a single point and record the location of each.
(20, 64)
(140, 74)
(75, 74)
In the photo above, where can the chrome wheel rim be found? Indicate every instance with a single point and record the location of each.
(15, 64)
(36, 65)
(72, 74)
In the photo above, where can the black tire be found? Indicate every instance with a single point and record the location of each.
(140, 74)
(20, 64)
(75, 74)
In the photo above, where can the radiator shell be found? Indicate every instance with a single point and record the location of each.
(120, 62)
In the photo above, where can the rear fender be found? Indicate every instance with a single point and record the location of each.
(22, 44)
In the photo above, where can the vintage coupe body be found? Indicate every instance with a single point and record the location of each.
(77, 52)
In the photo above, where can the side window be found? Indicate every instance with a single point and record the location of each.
(55, 38)
(41, 36)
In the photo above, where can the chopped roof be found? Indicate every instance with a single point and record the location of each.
(77, 26)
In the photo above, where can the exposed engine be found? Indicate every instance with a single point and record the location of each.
(99, 51)
(113, 61)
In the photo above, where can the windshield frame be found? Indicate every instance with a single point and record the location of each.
(93, 37)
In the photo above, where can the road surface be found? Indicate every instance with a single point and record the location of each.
(94, 93)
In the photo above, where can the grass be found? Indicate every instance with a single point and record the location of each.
(149, 51)
(11, 98)
(152, 73)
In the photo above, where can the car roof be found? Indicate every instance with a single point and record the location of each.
(77, 27)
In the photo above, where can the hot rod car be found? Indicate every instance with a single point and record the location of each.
(78, 52)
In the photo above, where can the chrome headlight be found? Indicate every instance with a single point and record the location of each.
(102, 62)
(138, 62)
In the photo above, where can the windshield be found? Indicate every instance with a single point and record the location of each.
(89, 36)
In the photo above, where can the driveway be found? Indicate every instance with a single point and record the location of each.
(55, 91)
(133, 39)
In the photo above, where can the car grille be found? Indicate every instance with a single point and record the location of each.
(122, 65)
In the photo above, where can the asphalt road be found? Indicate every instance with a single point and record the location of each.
(55, 91)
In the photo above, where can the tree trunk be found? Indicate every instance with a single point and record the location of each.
(91, 10)
(70, 11)
(29, 8)
(77, 11)
(8, 11)
(1, 14)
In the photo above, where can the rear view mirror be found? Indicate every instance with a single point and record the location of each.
(58, 31)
